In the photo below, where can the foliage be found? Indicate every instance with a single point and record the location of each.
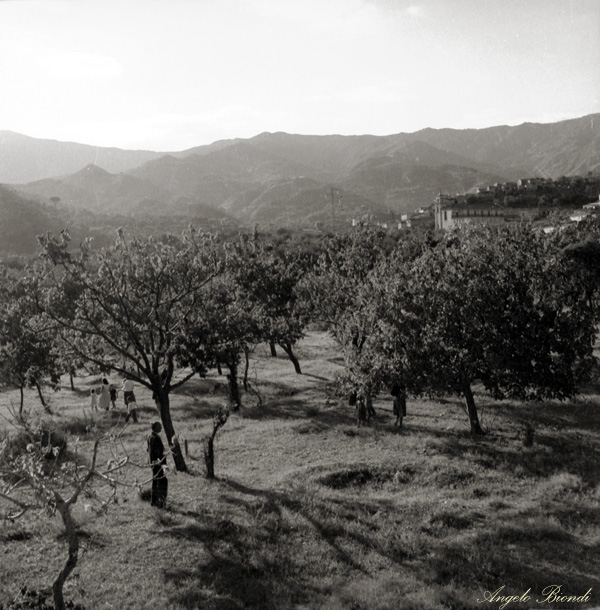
(491, 305)
(25, 346)
(128, 308)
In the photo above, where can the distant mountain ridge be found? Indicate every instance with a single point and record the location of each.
(283, 179)
(25, 159)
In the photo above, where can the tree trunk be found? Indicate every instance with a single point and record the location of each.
(39, 390)
(209, 457)
(73, 539)
(234, 389)
(273, 350)
(71, 381)
(22, 402)
(163, 404)
(287, 348)
(219, 369)
(476, 429)
(219, 421)
(246, 367)
(42, 400)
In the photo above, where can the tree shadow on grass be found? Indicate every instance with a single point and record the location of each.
(518, 557)
(549, 454)
(267, 562)
(264, 558)
(317, 377)
(230, 573)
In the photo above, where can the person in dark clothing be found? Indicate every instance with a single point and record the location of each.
(362, 418)
(113, 395)
(158, 460)
(399, 394)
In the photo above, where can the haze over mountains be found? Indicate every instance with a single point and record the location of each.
(280, 179)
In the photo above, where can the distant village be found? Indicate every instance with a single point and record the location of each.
(526, 199)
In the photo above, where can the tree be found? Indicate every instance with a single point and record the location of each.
(581, 247)
(347, 286)
(38, 476)
(340, 271)
(134, 308)
(269, 281)
(25, 347)
(488, 305)
(219, 420)
(223, 332)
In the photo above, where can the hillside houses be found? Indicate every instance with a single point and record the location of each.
(449, 212)
(513, 201)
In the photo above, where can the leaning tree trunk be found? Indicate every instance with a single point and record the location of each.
(39, 389)
(42, 400)
(64, 510)
(476, 428)
(164, 408)
(272, 348)
(219, 421)
(287, 348)
(234, 389)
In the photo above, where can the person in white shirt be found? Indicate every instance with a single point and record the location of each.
(131, 411)
(128, 390)
(93, 400)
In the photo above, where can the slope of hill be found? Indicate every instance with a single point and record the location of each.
(95, 189)
(403, 186)
(283, 179)
(550, 150)
(22, 220)
(25, 159)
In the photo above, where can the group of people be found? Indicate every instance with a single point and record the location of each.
(365, 410)
(107, 396)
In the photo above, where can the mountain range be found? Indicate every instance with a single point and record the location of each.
(280, 179)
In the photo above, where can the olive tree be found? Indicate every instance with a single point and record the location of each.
(25, 345)
(488, 305)
(133, 308)
(270, 282)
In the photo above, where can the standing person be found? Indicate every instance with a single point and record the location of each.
(93, 400)
(361, 412)
(104, 398)
(399, 394)
(131, 411)
(158, 460)
(127, 390)
(113, 395)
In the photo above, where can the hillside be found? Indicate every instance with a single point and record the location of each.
(21, 221)
(552, 150)
(310, 512)
(95, 189)
(25, 159)
(279, 179)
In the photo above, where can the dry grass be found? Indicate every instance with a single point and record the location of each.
(310, 512)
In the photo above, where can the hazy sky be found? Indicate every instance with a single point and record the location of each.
(172, 74)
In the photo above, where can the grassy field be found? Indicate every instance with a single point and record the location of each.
(310, 512)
